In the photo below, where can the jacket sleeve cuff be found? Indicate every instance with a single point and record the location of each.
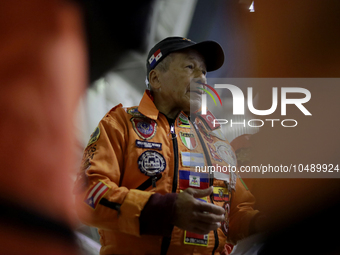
(130, 210)
(157, 214)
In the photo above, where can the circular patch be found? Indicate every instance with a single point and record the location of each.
(225, 151)
(144, 127)
(151, 163)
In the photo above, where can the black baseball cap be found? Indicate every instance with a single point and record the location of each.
(211, 51)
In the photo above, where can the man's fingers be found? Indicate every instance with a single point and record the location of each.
(203, 192)
(209, 217)
(210, 208)
(198, 193)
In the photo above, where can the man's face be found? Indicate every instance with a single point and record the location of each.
(179, 83)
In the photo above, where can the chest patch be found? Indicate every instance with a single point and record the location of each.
(144, 127)
(151, 163)
(188, 139)
(183, 121)
(225, 151)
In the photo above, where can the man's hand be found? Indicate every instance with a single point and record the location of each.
(196, 216)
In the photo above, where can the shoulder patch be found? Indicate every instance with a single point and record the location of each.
(134, 112)
(94, 137)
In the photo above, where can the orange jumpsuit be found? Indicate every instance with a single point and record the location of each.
(135, 153)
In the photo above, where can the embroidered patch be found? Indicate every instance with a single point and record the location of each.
(151, 163)
(183, 121)
(189, 140)
(88, 156)
(144, 127)
(196, 239)
(148, 145)
(192, 159)
(221, 194)
(155, 57)
(225, 151)
(94, 137)
(221, 173)
(134, 112)
(218, 133)
(209, 120)
(193, 179)
(96, 193)
(213, 154)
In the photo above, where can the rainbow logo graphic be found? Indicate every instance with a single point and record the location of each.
(209, 93)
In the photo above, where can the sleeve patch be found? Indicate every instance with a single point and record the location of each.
(94, 137)
(95, 194)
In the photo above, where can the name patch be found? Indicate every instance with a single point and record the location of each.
(148, 145)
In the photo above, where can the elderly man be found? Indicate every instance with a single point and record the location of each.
(137, 184)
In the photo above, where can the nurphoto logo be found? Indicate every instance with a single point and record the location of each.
(238, 105)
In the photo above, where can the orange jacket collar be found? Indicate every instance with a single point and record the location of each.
(147, 107)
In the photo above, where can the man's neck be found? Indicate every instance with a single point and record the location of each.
(167, 111)
(166, 107)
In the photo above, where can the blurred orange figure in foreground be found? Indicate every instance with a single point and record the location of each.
(43, 73)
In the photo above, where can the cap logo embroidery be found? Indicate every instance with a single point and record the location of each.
(155, 57)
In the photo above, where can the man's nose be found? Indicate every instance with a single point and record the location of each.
(200, 77)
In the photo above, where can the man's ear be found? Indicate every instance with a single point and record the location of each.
(154, 80)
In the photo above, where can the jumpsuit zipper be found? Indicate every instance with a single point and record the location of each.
(211, 179)
(166, 240)
(175, 147)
